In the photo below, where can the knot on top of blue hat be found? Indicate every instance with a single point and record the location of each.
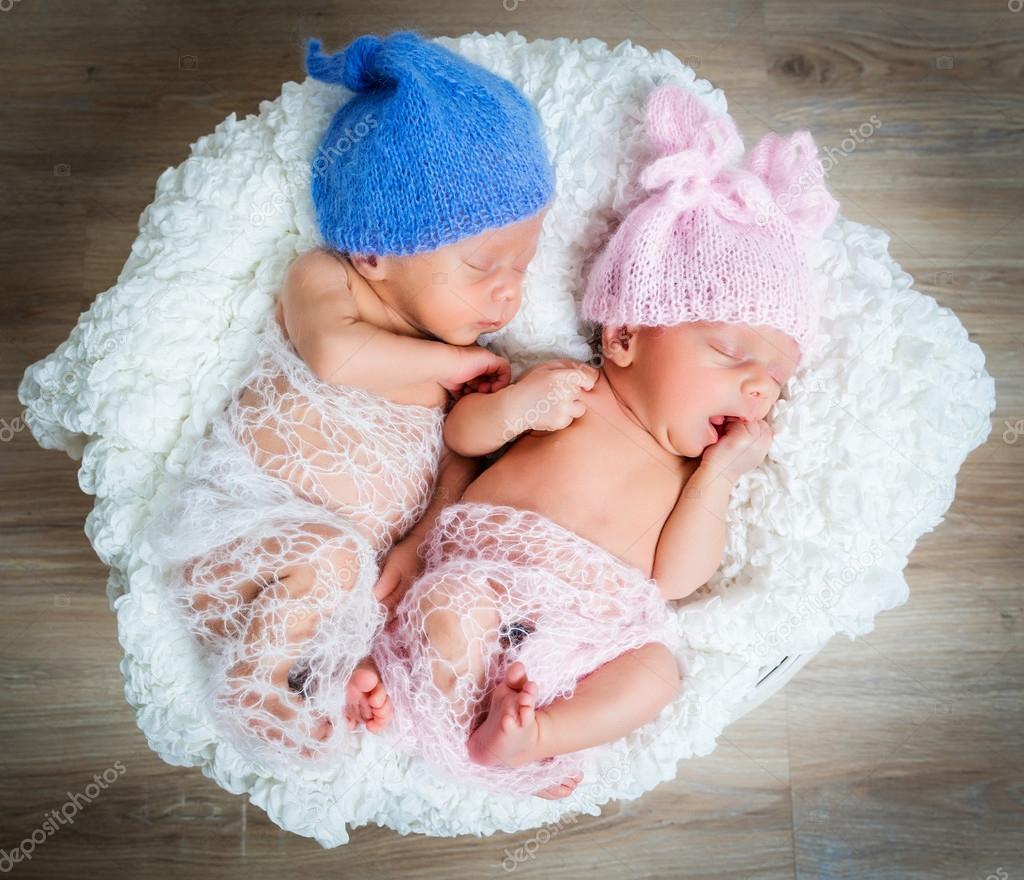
(354, 67)
(430, 149)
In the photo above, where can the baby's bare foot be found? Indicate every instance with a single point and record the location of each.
(509, 734)
(561, 789)
(366, 700)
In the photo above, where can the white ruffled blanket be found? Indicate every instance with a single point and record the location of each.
(869, 437)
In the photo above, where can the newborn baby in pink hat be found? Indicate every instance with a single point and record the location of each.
(539, 627)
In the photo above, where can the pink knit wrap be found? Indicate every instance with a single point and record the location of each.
(715, 241)
(515, 585)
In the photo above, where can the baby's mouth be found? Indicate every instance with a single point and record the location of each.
(719, 423)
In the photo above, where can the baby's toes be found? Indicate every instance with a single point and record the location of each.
(363, 680)
(525, 713)
(554, 792)
(321, 729)
(351, 714)
(510, 721)
(380, 720)
(377, 697)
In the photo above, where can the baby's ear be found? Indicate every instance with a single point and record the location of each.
(370, 266)
(618, 343)
(789, 167)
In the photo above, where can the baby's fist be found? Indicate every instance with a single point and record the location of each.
(741, 448)
(549, 396)
(476, 369)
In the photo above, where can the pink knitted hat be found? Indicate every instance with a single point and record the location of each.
(714, 241)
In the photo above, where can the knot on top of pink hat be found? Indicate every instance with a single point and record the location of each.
(696, 152)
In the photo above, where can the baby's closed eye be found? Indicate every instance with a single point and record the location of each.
(483, 270)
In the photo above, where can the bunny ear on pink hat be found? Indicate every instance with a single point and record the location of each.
(793, 174)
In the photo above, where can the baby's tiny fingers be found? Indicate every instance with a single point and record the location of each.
(582, 376)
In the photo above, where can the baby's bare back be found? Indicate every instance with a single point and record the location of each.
(592, 478)
(365, 455)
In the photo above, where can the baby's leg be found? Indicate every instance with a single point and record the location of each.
(286, 676)
(215, 589)
(457, 623)
(439, 653)
(290, 439)
(439, 662)
(610, 702)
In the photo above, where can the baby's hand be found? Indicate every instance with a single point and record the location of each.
(559, 384)
(401, 567)
(741, 448)
(477, 369)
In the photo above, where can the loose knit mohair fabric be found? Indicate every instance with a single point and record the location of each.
(502, 585)
(429, 150)
(272, 541)
(816, 542)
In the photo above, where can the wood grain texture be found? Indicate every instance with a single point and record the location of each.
(898, 755)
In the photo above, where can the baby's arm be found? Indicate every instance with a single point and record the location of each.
(323, 323)
(544, 398)
(403, 564)
(479, 423)
(693, 538)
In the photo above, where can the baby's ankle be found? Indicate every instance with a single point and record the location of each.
(545, 731)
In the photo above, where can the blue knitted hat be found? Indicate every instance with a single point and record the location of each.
(431, 149)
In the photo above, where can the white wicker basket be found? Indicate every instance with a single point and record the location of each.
(772, 680)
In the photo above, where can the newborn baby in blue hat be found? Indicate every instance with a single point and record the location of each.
(297, 518)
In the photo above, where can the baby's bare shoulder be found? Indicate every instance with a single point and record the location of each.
(316, 287)
(316, 272)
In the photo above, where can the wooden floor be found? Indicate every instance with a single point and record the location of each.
(895, 756)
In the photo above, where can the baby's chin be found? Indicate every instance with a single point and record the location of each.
(690, 450)
(471, 336)
(466, 336)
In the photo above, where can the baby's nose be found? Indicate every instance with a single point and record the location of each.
(504, 293)
(758, 408)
